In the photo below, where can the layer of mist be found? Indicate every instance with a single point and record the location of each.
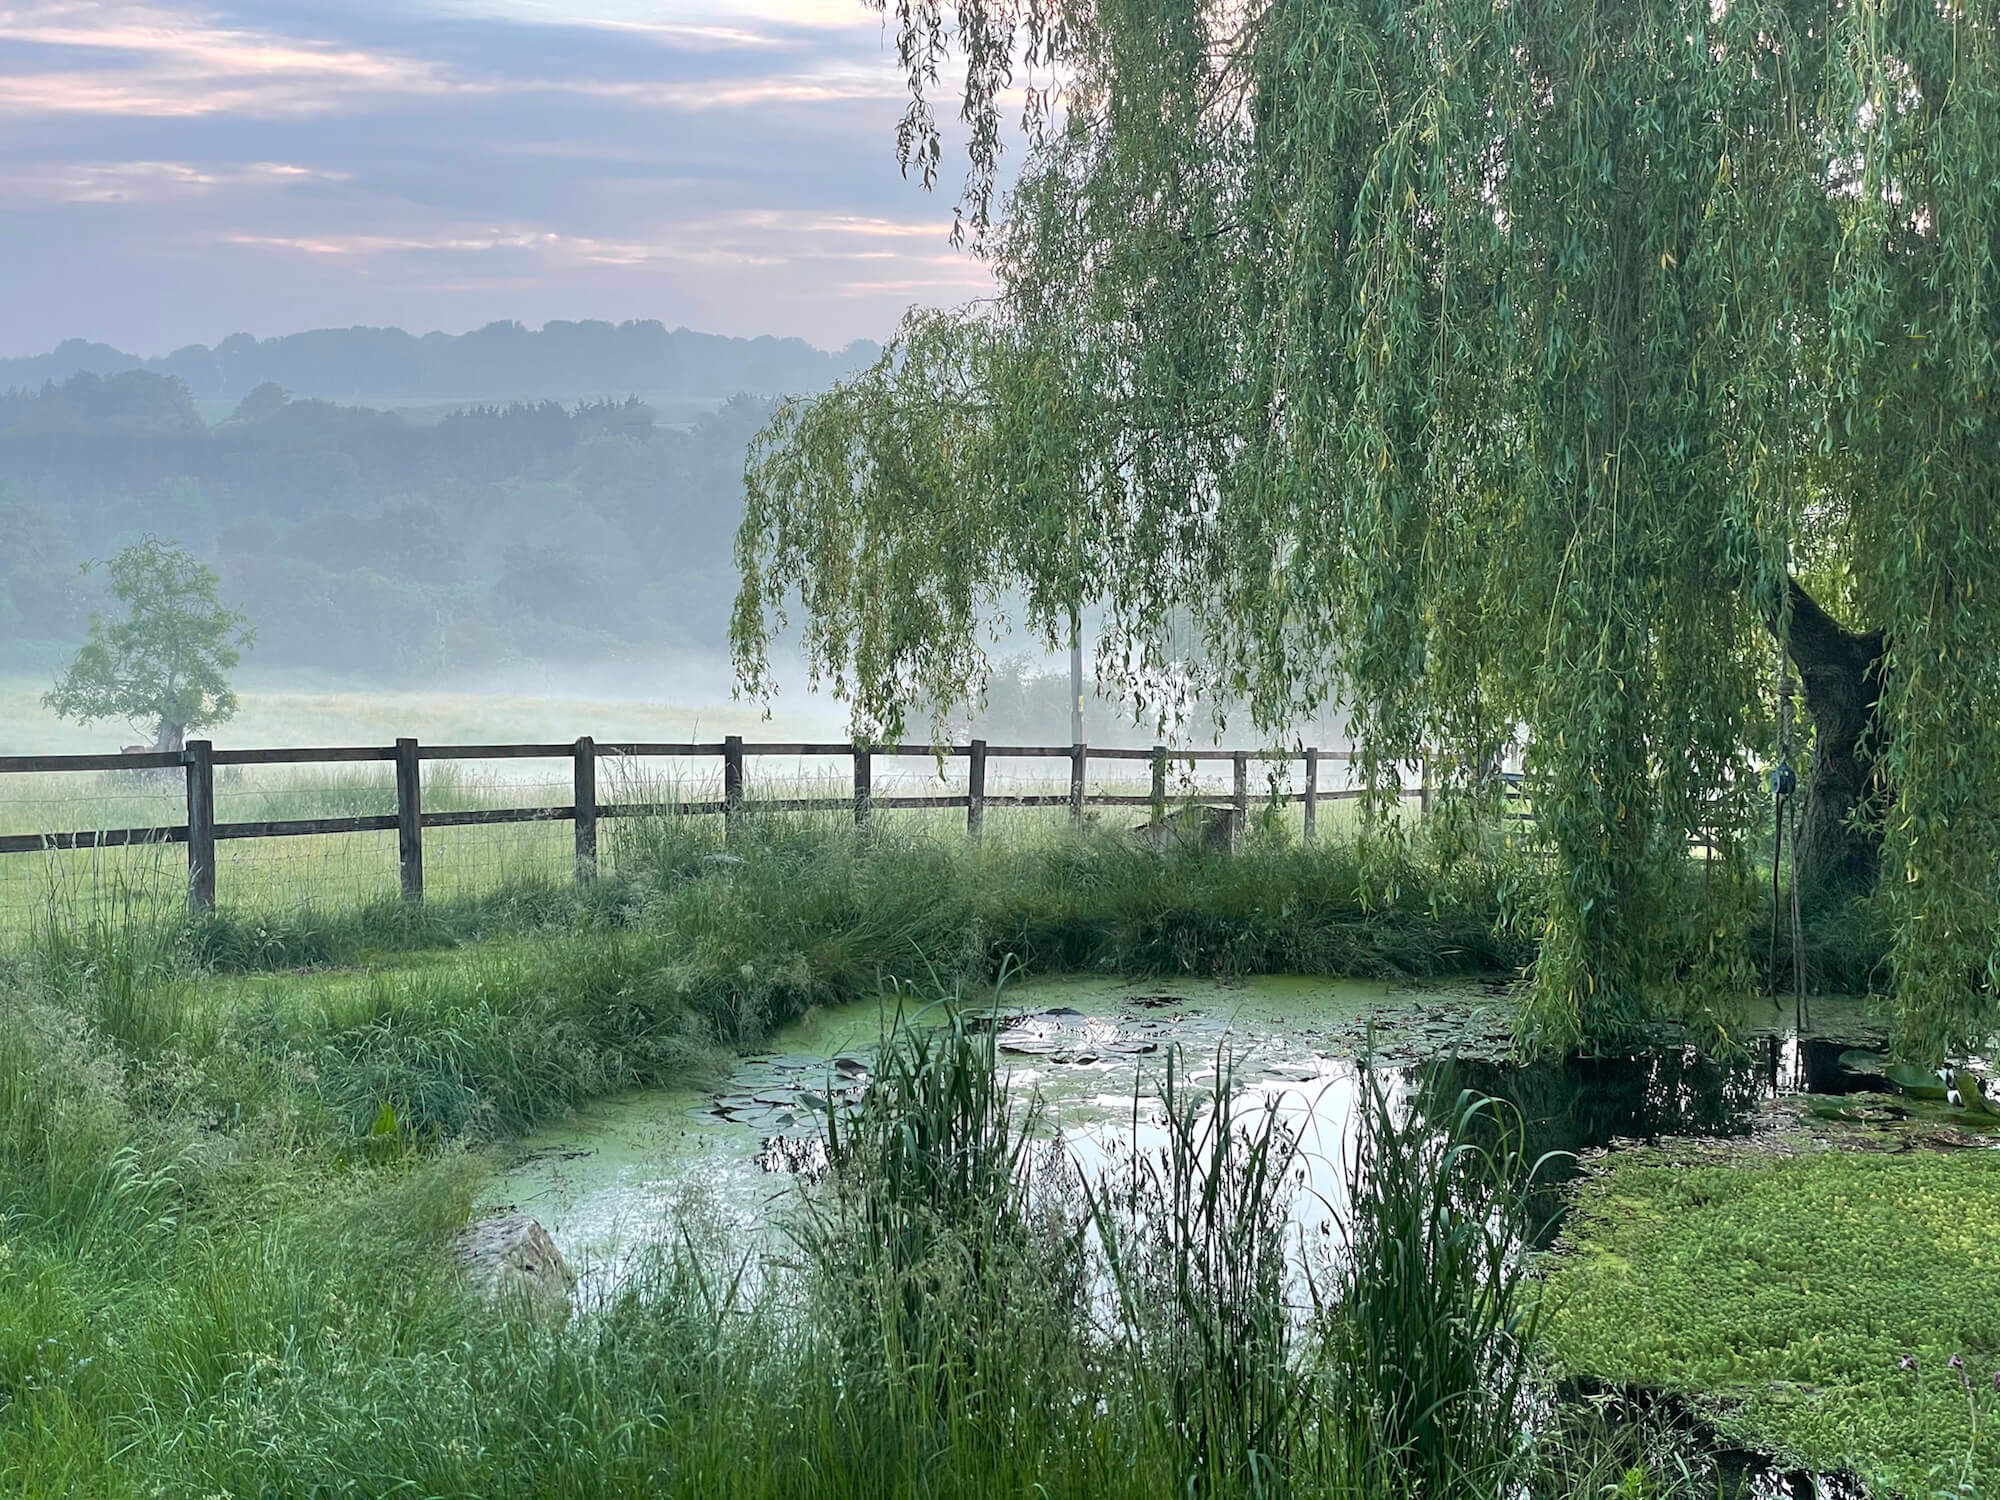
(562, 559)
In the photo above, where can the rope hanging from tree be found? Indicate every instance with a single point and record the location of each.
(1784, 812)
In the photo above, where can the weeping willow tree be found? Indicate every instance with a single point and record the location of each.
(1559, 365)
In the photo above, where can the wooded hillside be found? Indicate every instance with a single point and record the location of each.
(503, 361)
(361, 539)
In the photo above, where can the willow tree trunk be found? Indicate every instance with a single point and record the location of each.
(1839, 839)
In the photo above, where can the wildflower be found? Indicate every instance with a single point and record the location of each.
(1956, 1362)
(1909, 1362)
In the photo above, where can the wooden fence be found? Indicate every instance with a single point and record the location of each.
(201, 832)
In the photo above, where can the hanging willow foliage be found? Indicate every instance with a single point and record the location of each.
(1482, 364)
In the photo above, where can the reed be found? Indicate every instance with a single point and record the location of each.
(1430, 1318)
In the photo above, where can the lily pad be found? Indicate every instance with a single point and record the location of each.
(1918, 1083)
(1855, 1108)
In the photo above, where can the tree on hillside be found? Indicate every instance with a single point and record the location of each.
(167, 662)
(1566, 365)
(38, 594)
(262, 404)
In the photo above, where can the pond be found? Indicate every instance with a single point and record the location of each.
(634, 1171)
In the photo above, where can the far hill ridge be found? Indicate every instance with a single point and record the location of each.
(500, 362)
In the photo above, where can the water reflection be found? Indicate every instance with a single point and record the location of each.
(1563, 1109)
(609, 1179)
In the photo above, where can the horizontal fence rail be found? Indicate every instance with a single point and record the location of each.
(202, 832)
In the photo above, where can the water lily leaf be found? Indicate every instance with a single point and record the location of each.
(1918, 1083)
(1854, 1108)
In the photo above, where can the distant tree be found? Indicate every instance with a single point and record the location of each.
(358, 498)
(167, 661)
(548, 581)
(37, 593)
(265, 402)
(411, 541)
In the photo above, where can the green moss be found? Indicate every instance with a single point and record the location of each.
(1780, 1295)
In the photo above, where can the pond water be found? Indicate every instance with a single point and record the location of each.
(633, 1171)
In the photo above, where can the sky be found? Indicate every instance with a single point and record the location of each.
(172, 171)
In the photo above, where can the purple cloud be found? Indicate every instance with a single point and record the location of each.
(176, 171)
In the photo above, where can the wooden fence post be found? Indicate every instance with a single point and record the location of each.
(732, 780)
(409, 819)
(1076, 756)
(1312, 790)
(586, 810)
(864, 777)
(1160, 794)
(975, 788)
(200, 765)
(1239, 815)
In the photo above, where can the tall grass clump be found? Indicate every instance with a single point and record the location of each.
(949, 1295)
(1191, 1235)
(79, 1164)
(1430, 1319)
(120, 950)
(999, 1311)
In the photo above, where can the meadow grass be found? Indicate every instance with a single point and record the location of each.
(276, 873)
(354, 869)
(287, 707)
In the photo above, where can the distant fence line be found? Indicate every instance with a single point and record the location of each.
(201, 831)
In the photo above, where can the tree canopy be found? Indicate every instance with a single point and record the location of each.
(167, 662)
(1486, 365)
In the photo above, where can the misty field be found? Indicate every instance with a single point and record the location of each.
(276, 711)
(342, 870)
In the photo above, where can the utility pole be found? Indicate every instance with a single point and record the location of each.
(1075, 675)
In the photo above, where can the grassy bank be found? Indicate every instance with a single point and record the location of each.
(1781, 1298)
(489, 1014)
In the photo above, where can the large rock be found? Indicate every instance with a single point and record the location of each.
(1196, 827)
(509, 1255)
